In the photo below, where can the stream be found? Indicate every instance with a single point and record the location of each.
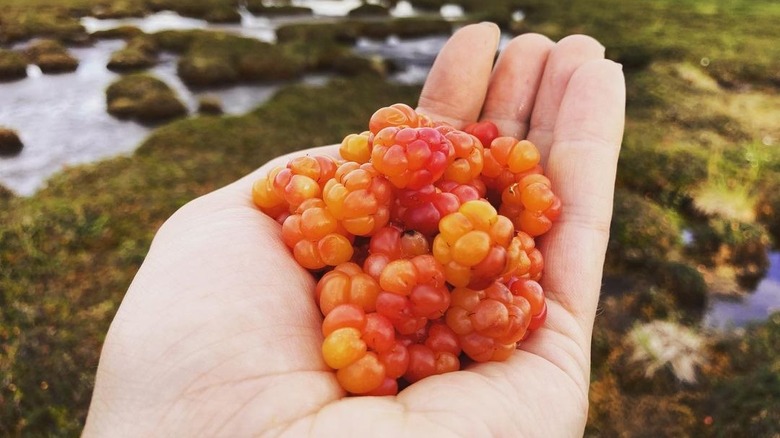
(62, 118)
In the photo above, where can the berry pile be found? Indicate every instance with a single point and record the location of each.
(422, 236)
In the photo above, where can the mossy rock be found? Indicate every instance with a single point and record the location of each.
(685, 283)
(352, 65)
(258, 8)
(51, 56)
(743, 245)
(177, 40)
(57, 63)
(643, 301)
(317, 33)
(407, 27)
(369, 10)
(120, 32)
(10, 143)
(13, 65)
(119, 9)
(144, 98)
(139, 53)
(215, 11)
(220, 59)
(429, 5)
(204, 70)
(641, 231)
(51, 21)
(210, 105)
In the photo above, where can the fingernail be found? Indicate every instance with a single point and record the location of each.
(494, 26)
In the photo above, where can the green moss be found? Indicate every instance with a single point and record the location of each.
(143, 97)
(215, 58)
(12, 65)
(745, 395)
(119, 9)
(344, 32)
(51, 56)
(216, 11)
(121, 32)
(210, 105)
(51, 21)
(641, 231)
(139, 53)
(685, 283)
(404, 27)
(665, 173)
(258, 8)
(369, 10)
(5, 194)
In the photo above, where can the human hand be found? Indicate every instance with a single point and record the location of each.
(219, 333)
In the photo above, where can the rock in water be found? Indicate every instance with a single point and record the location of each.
(10, 144)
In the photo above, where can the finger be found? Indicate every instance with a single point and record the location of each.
(514, 84)
(581, 167)
(568, 55)
(455, 89)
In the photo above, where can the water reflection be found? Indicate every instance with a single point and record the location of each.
(756, 306)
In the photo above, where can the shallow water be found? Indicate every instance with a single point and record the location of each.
(62, 119)
(756, 306)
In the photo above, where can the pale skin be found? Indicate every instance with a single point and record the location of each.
(219, 333)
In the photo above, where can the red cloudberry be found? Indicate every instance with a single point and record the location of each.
(489, 321)
(411, 157)
(485, 131)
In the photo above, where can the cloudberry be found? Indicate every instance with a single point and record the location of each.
(357, 147)
(411, 157)
(359, 197)
(422, 209)
(531, 204)
(303, 178)
(488, 321)
(315, 236)
(468, 156)
(507, 160)
(347, 284)
(392, 243)
(476, 245)
(485, 131)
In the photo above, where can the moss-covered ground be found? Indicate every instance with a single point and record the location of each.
(700, 154)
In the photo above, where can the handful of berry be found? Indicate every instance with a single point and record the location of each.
(424, 239)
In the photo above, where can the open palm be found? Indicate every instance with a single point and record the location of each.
(219, 333)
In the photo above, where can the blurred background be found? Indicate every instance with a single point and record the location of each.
(114, 113)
